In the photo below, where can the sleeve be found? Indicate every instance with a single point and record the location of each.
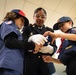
(26, 32)
(73, 30)
(12, 42)
(50, 39)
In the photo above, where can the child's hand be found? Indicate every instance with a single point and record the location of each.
(37, 48)
(52, 35)
(47, 59)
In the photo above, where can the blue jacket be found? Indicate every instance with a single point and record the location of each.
(10, 58)
(68, 50)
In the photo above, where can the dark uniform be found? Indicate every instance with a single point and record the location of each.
(68, 54)
(34, 62)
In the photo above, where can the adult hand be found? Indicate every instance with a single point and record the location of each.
(38, 39)
(47, 49)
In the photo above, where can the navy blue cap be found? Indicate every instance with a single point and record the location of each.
(61, 20)
(21, 13)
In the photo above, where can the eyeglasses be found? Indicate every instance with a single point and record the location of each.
(38, 16)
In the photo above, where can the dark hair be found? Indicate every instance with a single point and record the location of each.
(38, 9)
(11, 16)
(69, 21)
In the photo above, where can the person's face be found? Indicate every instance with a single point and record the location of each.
(20, 22)
(65, 26)
(39, 18)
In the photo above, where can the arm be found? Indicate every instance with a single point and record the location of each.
(68, 36)
(11, 41)
(50, 40)
(49, 59)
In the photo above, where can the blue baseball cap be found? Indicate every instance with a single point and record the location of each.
(21, 13)
(61, 20)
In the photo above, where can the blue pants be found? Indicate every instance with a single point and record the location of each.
(4, 71)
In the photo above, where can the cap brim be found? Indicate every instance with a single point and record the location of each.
(26, 22)
(26, 19)
(55, 27)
